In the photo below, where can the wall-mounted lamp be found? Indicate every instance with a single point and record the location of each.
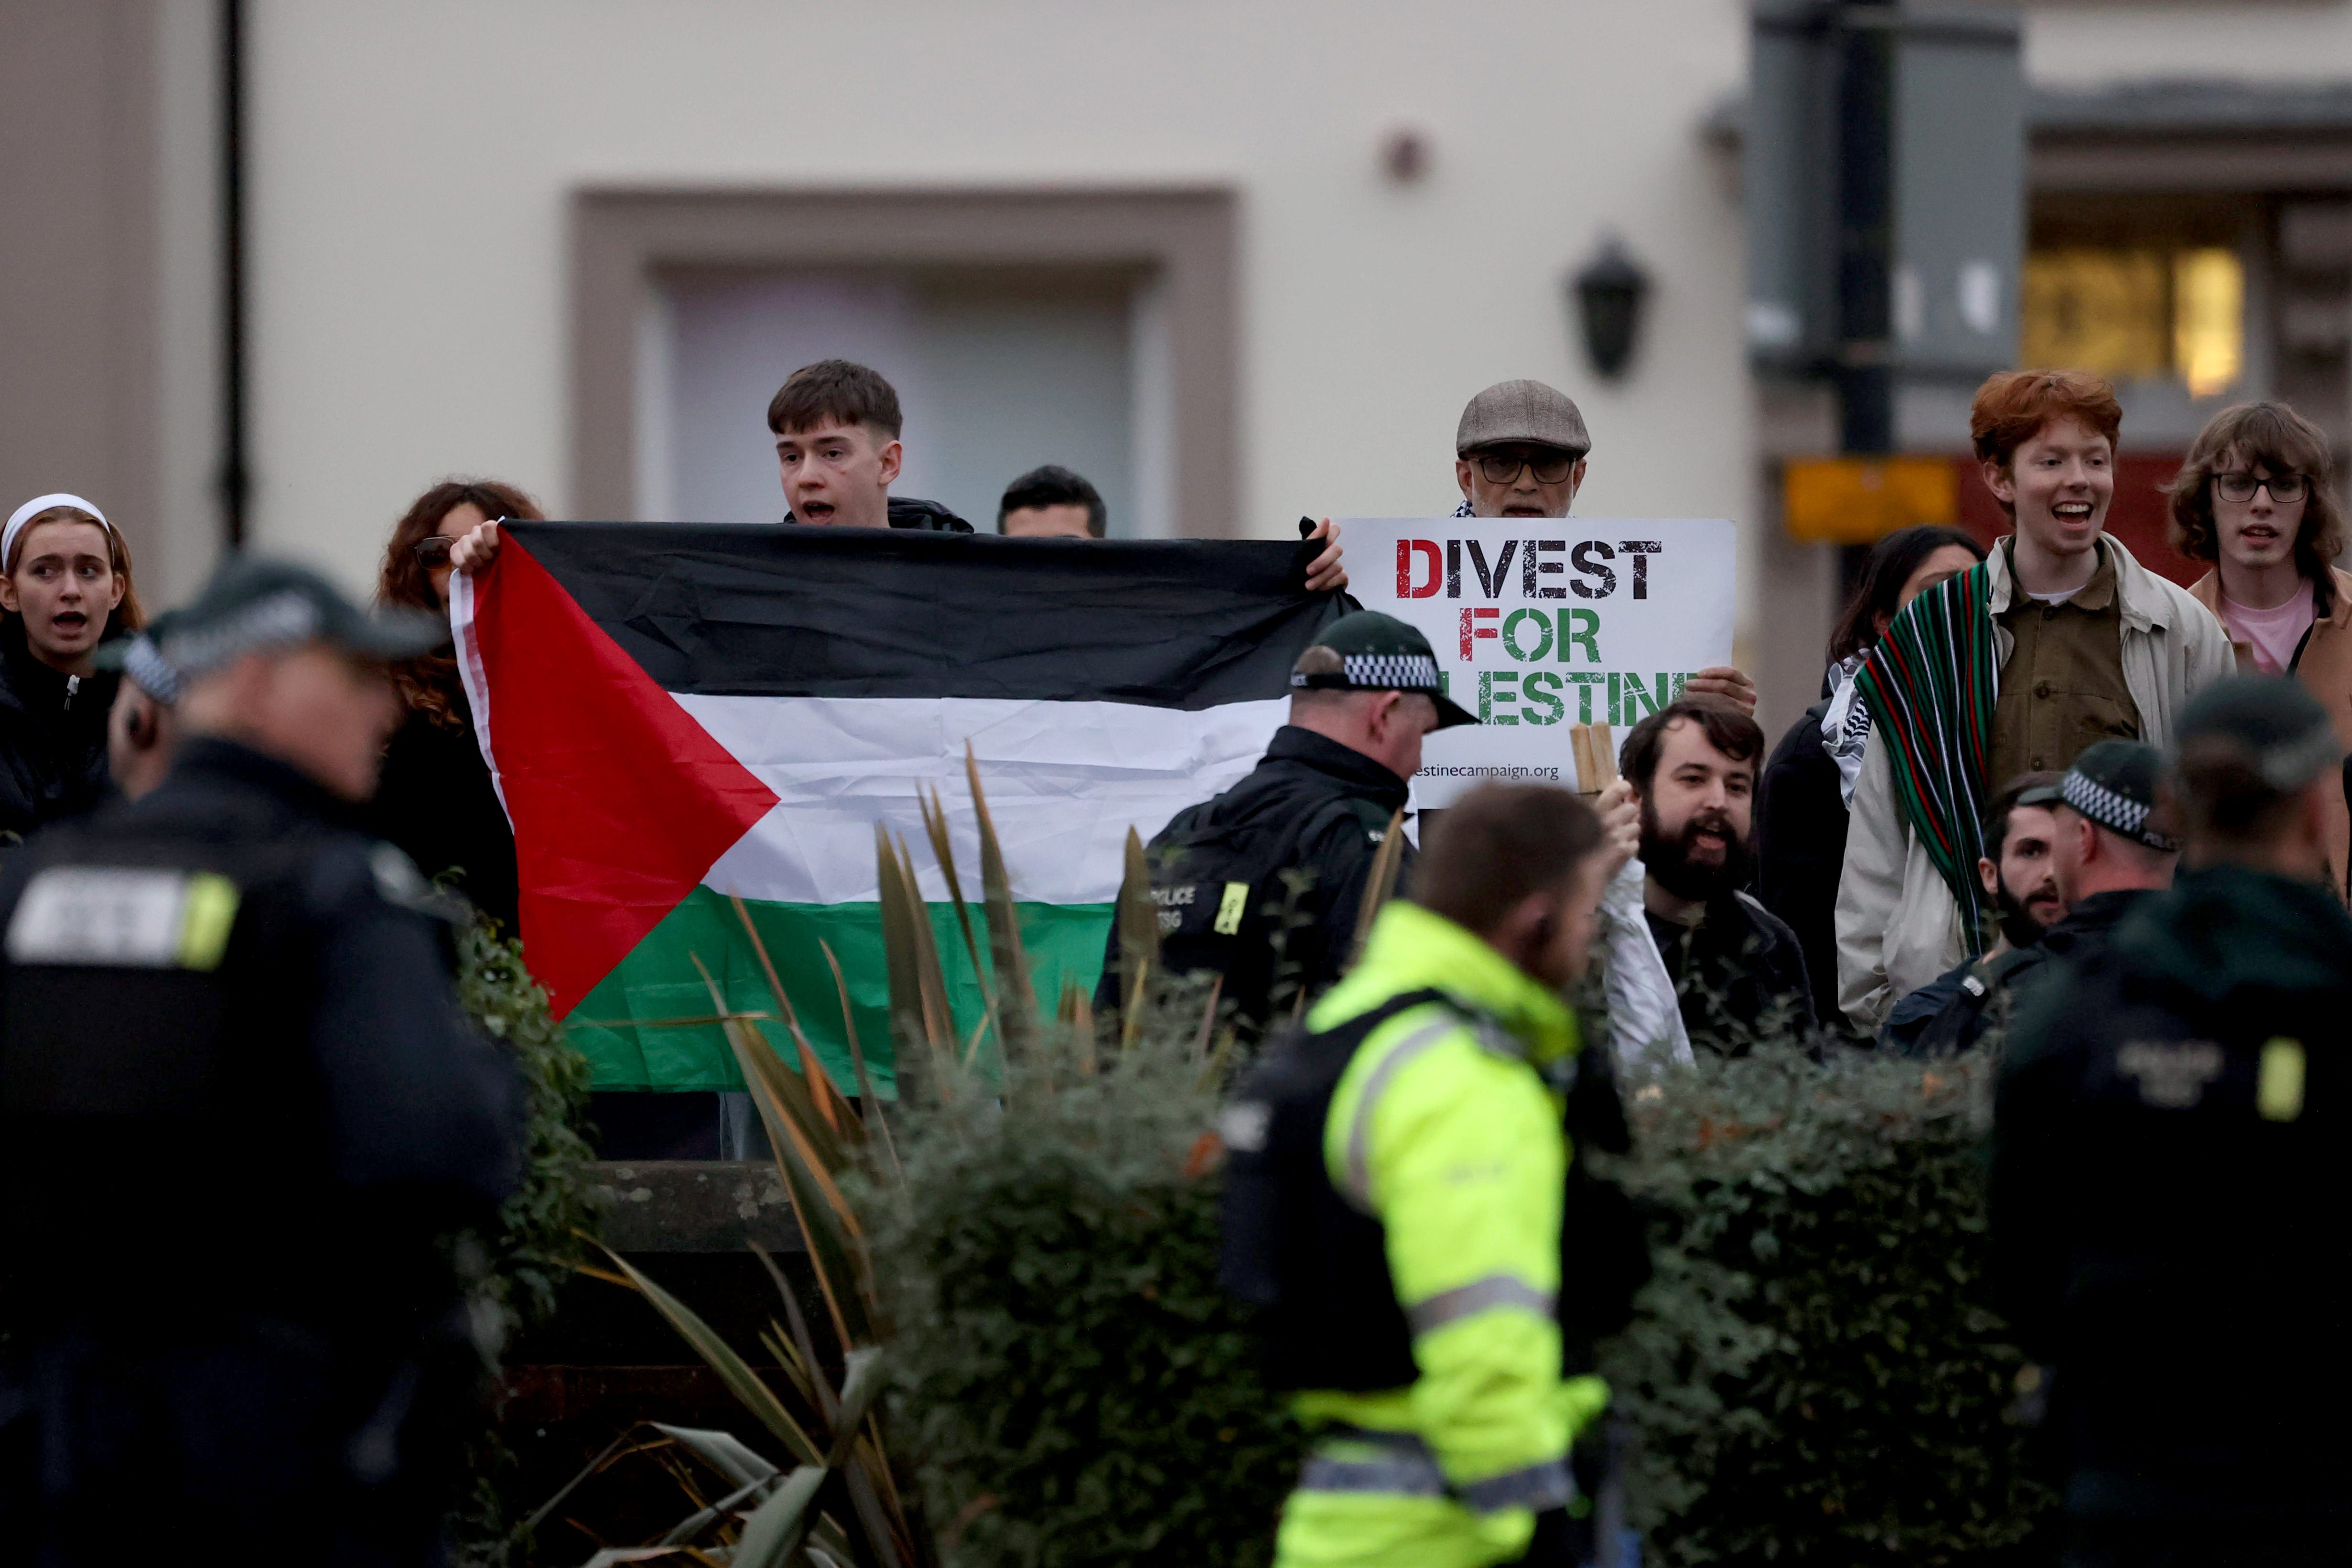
(1609, 292)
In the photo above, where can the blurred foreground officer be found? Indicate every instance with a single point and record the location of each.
(2171, 1205)
(1402, 1201)
(238, 1104)
(1319, 802)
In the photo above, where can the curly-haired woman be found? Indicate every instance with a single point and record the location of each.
(437, 801)
(2257, 497)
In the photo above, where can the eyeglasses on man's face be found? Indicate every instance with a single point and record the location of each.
(1550, 465)
(2241, 485)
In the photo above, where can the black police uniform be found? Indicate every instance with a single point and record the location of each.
(238, 1106)
(1311, 805)
(1990, 988)
(2172, 1213)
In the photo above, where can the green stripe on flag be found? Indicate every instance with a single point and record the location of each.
(617, 1026)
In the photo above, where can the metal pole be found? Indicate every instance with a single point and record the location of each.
(1865, 230)
(236, 475)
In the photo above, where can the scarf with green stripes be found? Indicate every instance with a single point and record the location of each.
(1931, 682)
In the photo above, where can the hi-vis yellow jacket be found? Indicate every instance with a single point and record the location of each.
(1443, 1126)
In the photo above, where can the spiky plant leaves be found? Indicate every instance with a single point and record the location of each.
(1139, 938)
(916, 1050)
(1016, 997)
(721, 1358)
(778, 1526)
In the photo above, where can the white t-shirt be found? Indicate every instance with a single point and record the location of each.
(2273, 634)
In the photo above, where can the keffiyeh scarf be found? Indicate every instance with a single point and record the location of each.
(1931, 683)
(1845, 724)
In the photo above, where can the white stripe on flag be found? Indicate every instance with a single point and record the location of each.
(1064, 781)
(475, 677)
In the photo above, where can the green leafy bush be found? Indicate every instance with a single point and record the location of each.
(516, 1267)
(1071, 1380)
(1815, 1376)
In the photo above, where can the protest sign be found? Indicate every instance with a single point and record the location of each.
(1541, 624)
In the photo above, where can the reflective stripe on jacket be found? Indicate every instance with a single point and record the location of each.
(1444, 1128)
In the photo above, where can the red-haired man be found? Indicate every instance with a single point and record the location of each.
(2059, 639)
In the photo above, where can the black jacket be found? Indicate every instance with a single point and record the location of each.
(1310, 805)
(2169, 1202)
(1800, 827)
(258, 1041)
(1739, 974)
(923, 516)
(52, 738)
(1985, 991)
(436, 803)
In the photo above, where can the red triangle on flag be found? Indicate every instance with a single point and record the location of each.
(620, 800)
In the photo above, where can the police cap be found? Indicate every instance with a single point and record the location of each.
(2278, 724)
(1381, 653)
(2113, 784)
(255, 603)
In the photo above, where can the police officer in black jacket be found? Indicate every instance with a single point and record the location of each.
(1263, 883)
(239, 1110)
(2109, 851)
(2172, 1208)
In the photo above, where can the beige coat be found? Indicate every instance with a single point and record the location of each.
(1898, 926)
(2326, 670)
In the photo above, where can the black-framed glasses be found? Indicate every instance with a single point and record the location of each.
(432, 551)
(2238, 484)
(1503, 467)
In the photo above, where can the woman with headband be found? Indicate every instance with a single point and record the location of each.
(65, 587)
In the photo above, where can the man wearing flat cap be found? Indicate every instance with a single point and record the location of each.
(1321, 802)
(2109, 850)
(2170, 1191)
(222, 1006)
(1519, 451)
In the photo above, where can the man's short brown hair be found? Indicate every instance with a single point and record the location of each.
(835, 391)
(1726, 729)
(1497, 844)
(2003, 805)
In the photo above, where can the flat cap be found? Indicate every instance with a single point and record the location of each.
(1381, 653)
(2279, 724)
(1521, 411)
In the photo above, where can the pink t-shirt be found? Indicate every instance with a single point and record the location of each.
(2272, 633)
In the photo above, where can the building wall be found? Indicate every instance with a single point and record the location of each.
(413, 165)
(2086, 42)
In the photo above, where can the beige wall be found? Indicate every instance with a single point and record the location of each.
(415, 164)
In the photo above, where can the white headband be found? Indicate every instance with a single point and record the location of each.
(33, 508)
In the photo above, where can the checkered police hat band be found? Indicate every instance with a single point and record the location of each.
(1376, 672)
(2114, 812)
(1392, 671)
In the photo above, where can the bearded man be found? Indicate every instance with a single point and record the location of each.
(2018, 869)
(1739, 972)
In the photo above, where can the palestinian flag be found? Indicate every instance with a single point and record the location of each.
(677, 714)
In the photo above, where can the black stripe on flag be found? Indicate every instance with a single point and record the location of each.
(769, 610)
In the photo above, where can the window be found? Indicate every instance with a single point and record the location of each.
(2138, 314)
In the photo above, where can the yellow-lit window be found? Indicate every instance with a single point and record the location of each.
(2209, 320)
(2137, 314)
